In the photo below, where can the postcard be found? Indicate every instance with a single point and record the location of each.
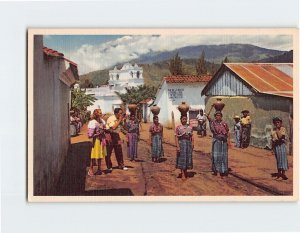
(163, 114)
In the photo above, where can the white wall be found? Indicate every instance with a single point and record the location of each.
(191, 94)
(106, 103)
(51, 120)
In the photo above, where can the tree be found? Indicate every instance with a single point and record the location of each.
(201, 68)
(226, 60)
(134, 95)
(214, 67)
(80, 100)
(175, 65)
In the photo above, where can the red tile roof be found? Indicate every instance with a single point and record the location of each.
(265, 78)
(54, 53)
(187, 78)
(145, 101)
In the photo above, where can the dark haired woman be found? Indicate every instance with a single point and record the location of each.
(133, 134)
(156, 138)
(278, 142)
(220, 131)
(184, 145)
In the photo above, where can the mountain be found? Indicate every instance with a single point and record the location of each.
(286, 57)
(215, 53)
(155, 64)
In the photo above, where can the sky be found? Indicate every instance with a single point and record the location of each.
(97, 52)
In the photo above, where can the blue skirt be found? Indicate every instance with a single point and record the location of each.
(219, 156)
(281, 157)
(184, 158)
(157, 148)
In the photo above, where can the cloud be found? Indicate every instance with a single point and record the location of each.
(126, 48)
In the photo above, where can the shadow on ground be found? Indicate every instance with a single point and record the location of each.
(73, 174)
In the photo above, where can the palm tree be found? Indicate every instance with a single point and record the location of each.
(80, 100)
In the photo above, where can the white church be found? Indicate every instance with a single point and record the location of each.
(128, 76)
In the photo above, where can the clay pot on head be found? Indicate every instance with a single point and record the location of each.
(218, 105)
(132, 108)
(155, 109)
(183, 108)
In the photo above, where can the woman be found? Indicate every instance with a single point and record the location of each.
(184, 145)
(245, 129)
(220, 131)
(278, 141)
(156, 137)
(133, 134)
(96, 131)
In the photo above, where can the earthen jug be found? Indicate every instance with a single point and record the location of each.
(155, 109)
(218, 105)
(183, 108)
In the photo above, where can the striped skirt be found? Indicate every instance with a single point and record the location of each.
(219, 156)
(132, 145)
(184, 158)
(157, 148)
(245, 137)
(281, 157)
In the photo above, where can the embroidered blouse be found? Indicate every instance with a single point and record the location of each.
(156, 129)
(184, 132)
(219, 128)
(279, 136)
(132, 127)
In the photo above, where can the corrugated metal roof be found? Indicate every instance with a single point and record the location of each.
(266, 78)
(54, 53)
(188, 78)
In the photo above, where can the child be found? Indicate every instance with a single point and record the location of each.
(237, 131)
(185, 145)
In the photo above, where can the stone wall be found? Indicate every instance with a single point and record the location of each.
(262, 110)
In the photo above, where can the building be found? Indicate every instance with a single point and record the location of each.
(53, 75)
(145, 105)
(173, 90)
(128, 76)
(265, 89)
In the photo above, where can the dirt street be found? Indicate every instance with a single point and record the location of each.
(250, 172)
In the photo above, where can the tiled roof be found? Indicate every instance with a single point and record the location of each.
(187, 78)
(265, 78)
(54, 53)
(145, 101)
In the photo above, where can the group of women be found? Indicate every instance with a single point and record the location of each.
(184, 143)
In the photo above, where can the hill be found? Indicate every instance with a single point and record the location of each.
(155, 64)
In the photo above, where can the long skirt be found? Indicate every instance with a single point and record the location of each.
(219, 156)
(157, 148)
(98, 151)
(281, 157)
(132, 145)
(184, 158)
(245, 137)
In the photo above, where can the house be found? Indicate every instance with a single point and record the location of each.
(174, 90)
(265, 89)
(53, 75)
(128, 76)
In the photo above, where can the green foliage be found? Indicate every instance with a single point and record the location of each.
(134, 95)
(176, 65)
(201, 68)
(80, 100)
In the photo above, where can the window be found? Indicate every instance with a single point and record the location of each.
(131, 73)
(138, 74)
(118, 76)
